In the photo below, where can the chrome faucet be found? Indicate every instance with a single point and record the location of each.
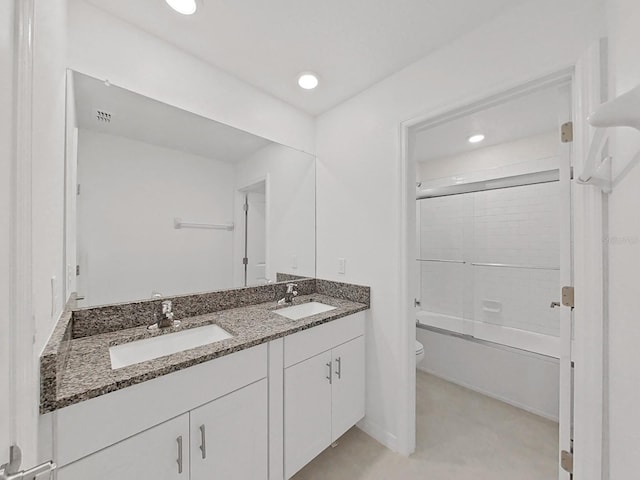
(166, 315)
(163, 317)
(289, 294)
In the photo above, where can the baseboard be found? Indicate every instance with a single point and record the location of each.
(379, 434)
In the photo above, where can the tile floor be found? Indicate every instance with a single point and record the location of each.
(461, 435)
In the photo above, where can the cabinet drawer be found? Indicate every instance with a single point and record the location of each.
(311, 342)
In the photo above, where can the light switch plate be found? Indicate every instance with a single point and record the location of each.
(342, 266)
(69, 276)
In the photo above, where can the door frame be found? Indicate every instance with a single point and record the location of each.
(23, 388)
(590, 260)
(587, 246)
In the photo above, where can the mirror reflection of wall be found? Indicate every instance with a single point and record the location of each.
(160, 201)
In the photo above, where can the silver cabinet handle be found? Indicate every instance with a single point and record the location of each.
(179, 461)
(330, 372)
(339, 370)
(203, 442)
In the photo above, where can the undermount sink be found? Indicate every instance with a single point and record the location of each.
(155, 347)
(303, 310)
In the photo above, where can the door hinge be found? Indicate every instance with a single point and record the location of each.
(416, 302)
(78, 189)
(245, 261)
(245, 207)
(566, 461)
(77, 270)
(566, 132)
(568, 297)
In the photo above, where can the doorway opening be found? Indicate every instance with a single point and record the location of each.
(493, 247)
(254, 234)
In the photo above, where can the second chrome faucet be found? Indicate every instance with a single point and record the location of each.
(289, 294)
(163, 317)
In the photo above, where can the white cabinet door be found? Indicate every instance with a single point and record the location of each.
(307, 411)
(229, 436)
(348, 386)
(160, 453)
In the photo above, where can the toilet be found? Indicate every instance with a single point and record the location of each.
(419, 352)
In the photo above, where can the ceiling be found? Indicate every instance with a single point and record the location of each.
(522, 117)
(351, 44)
(147, 120)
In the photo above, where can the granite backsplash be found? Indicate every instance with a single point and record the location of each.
(110, 318)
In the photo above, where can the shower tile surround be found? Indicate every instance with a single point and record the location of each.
(75, 364)
(516, 226)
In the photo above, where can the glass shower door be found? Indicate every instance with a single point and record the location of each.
(489, 264)
(441, 263)
(515, 263)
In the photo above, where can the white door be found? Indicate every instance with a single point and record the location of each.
(588, 352)
(160, 453)
(307, 411)
(229, 436)
(347, 397)
(256, 238)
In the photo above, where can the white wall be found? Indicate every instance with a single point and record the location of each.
(130, 194)
(624, 253)
(6, 153)
(48, 165)
(142, 63)
(358, 213)
(522, 150)
(290, 197)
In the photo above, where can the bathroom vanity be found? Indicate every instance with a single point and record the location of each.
(229, 384)
(260, 404)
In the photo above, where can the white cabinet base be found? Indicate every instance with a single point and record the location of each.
(324, 393)
(262, 413)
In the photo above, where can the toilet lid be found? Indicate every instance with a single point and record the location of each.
(419, 348)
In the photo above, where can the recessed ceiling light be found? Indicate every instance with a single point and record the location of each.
(185, 7)
(476, 138)
(308, 80)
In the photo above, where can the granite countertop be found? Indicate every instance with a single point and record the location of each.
(87, 369)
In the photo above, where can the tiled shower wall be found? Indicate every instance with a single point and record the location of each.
(516, 226)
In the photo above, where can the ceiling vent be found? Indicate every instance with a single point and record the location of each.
(103, 117)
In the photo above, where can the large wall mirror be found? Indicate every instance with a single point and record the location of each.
(160, 200)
